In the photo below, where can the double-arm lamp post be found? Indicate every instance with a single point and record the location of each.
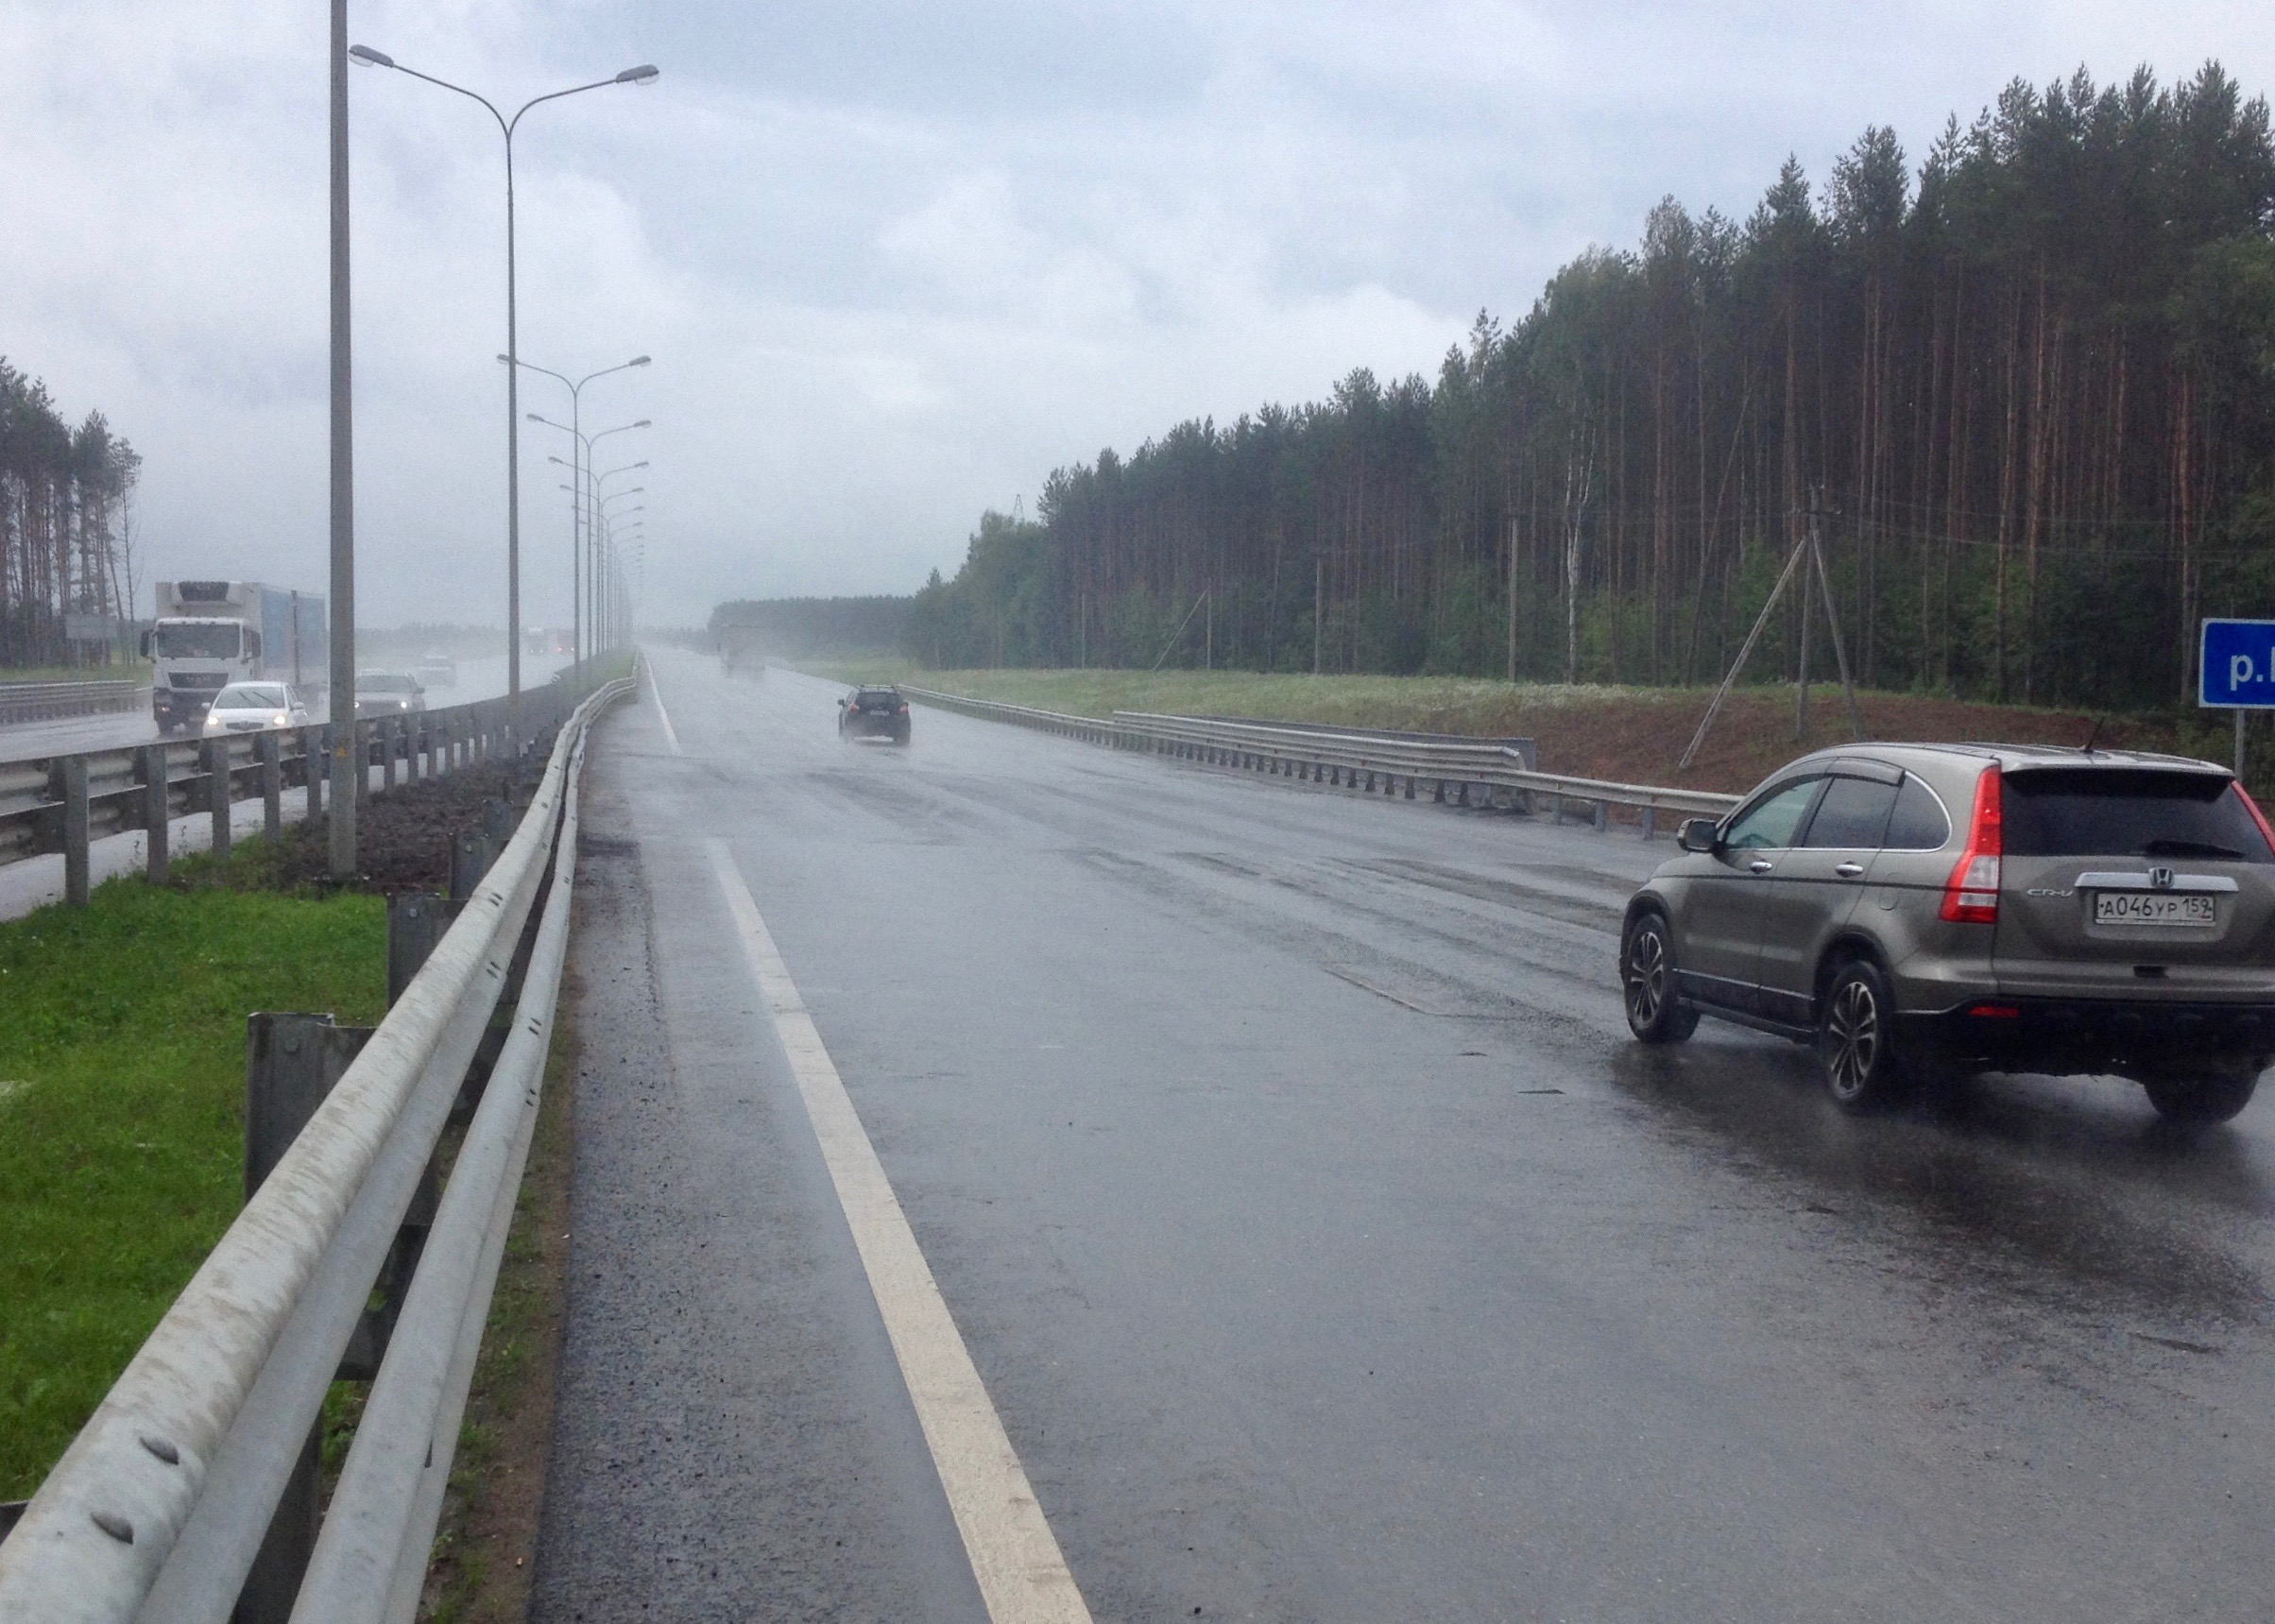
(644, 74)
(585, 443)
(576, 402)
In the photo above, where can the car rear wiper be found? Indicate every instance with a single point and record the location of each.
(2186, 848)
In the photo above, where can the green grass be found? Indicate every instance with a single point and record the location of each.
(1429, 704)
(122, 1068)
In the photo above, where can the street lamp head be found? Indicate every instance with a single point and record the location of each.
(642, 424)
(642, 75)
(370, 57)
(638, 361)
(560, 462)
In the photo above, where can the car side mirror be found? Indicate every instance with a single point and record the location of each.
(1698, 835)
(145, 645)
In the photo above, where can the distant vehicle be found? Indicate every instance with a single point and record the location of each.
(387, 693)
(209, 634)
(1916, 909)
(437, 671)
(870, 712)
(251, 707)
(740, 651)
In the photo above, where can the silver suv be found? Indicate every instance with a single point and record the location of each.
(1910, 909)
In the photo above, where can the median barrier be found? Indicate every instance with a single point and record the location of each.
(62, 803)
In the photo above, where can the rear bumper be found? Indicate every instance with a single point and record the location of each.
(2128, 1036)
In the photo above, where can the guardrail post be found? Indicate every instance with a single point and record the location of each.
(469, 861)
(272, 785)
(416, 921)
(1603, 815)
(75, 830)
(291, 1062)
(157, 813)
(217, 792)
(1650, 823)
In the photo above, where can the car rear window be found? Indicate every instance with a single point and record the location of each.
(2101, 812)
(1853, 816)
(877, 699)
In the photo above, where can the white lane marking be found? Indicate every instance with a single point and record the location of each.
(1022, 1574)
(654, 693)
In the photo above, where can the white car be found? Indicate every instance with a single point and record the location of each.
(250, 707)
(387, 693)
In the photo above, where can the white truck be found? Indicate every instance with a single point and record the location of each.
(209, 634)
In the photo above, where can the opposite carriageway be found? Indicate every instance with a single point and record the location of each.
(64, 803)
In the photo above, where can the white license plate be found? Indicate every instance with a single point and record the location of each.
(2152, 908)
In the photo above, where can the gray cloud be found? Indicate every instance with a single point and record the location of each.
(894, 261)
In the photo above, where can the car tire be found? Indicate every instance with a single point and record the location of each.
(1857, 1042)
(2201, 1098)
(1646, 983)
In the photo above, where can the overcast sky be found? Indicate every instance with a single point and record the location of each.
(896, 260)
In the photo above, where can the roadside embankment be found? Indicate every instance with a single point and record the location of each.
(1632, 735)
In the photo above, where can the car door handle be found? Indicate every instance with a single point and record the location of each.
(1848, 870)
(1761, 865)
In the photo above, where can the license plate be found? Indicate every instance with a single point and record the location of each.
(2152, 908)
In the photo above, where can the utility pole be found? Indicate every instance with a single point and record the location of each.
(346, 759)
(1801, 686)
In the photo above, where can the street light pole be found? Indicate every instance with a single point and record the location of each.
(341, 770)
(646, 73)
(576, 523)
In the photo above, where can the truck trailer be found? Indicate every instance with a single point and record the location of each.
(209, 634)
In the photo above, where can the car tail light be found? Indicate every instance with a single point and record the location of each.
(2257, 816)
(1971, 894)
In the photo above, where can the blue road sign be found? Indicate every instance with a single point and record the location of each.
(2238, 665)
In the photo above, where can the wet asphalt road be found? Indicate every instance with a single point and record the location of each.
(1326, 1247)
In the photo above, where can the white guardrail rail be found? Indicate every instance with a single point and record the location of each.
(1440, 767)
(46, 701)
(160, 1508)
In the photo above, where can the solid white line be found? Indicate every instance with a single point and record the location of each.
(1022, 1574)
(670, 733)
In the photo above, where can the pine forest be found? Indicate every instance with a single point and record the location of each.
(65, 540)
(2023, 391)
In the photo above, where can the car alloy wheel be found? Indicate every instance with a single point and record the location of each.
(1655, 1014)
(1857, 1039)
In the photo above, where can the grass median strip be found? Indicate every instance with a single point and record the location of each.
(121, 1026)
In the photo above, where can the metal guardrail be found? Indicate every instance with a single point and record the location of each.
(46, 701)
(1443, 769)
(160, 1508)
(64, 802)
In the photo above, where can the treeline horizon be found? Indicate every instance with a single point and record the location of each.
(2024, 391)
(66, 543)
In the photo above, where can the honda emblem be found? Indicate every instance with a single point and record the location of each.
(2160, 879)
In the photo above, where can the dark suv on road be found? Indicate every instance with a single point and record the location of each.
(874, 713)
(1912, 908)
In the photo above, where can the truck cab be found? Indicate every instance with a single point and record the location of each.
(193, 658)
